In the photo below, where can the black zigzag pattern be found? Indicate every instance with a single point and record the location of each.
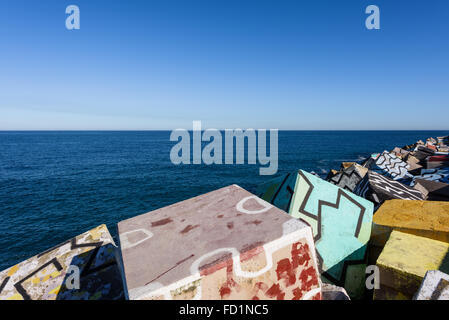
(346, 179)
(321, 203)
(87, 268)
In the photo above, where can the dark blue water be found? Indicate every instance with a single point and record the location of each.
(55, 185)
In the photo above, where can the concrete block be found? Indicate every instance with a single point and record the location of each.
(410, 147)
(414, 165)
(443, 140)
(390, 165)
(429, 219)
(45, 276)
(435, 286)
(345, 165)
(404, 262)
(331, 174)
(349, 177)
(433, 190)
(399, 152)
(378, 188)
(410, 159)
(370, 161)
(431, 146)
(438, 175)
(226, 244)
(332, 292)
(341, 222)
(437, 161)
(421, 153)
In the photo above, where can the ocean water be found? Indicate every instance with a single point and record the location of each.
(56, 185)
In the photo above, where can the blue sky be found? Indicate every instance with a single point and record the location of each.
(263, 64)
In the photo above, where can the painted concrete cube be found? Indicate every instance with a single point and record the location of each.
(437, 161)
(226, 244)
(399, 152)
(341, 223)
(429, 219)
(53, 274)
(390, 165)
(348, 177)
(435, 286)
(432, 190)
(404, 262)
(378, 188)
(414, 165)
(439, 175)
(332, 292)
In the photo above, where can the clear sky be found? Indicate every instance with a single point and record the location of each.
(261, 64)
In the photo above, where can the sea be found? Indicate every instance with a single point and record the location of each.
(55, 185)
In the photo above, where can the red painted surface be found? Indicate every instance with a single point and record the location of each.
(438, 158)
(225, 289)
(189, 227)
(161, 222)
(287, 276)
(275, 291)
(295, 275)
(286, 272)
(251, 253)
(215, 267)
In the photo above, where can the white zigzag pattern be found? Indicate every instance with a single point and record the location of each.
(395, 188)
(441, 175)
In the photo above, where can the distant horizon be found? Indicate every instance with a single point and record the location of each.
(169, 130)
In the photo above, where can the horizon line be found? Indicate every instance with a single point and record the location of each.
(159, 130)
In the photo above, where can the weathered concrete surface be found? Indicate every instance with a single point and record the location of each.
(226, 244)
(421, 153)
(45, 276)
(429, 219)
(332, 292)
(404, 262)
(433, 190)
(435, 286)
(414, 165)
(341, 223)
(410, 159)
(399, 152)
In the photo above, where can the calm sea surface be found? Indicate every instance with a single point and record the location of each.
(55, 185)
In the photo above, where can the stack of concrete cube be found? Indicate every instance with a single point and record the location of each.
(409, 241)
